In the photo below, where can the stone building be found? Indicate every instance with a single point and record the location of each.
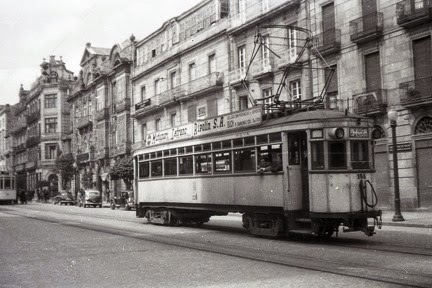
(101, 127)
(7, 114)
(382, 51)
(42, 118)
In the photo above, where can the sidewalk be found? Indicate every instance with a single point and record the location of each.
(421, 218)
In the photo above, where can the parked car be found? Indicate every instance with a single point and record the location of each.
(90, 197)
(64, 197)
(124, 199)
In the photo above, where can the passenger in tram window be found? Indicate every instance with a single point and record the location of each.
(276, 164)
(263, 165)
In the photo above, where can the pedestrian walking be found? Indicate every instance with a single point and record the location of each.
(108, 192)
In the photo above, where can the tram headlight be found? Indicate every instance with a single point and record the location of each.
(336, 133)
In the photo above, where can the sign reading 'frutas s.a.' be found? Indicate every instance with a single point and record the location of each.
(240, 119)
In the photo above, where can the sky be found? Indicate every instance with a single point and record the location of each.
(33, 30)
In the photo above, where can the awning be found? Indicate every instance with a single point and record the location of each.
(105, 176)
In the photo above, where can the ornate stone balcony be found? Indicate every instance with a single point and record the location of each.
(31, 164)
(33, 117)
(412, 13)
(367, 28)
(328, 42)
(263, 68)
(416, 93)
(123, 105)
(370, 102)
(32, 141)
(237, 76)
(102, 114)
(84, 122)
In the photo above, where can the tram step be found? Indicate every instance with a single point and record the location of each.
(303, 220)
(301, 231)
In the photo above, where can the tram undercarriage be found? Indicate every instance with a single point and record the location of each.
(271, 225)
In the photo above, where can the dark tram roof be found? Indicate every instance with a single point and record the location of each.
(310, 116)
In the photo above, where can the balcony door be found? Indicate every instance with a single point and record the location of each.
(369, 7)
(373, 80)
(422, 67)
(328, 24)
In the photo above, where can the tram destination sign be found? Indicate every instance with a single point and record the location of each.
(355, 132)
(239, 119)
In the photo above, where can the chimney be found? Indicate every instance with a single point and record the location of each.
(52, 59)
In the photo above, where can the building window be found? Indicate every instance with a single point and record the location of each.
(51, 125)
(243, 102)
(241, 52)
(143, 131)
(292, 45)
(267, 101)
(143, 93)
(212, 63)
(265, 52)
(295, 90)
(173, 119)
(157, 86)
(192, 71)
(51, 151)
(192, 113)
(173, 79)
(50, 101)
(158, 124)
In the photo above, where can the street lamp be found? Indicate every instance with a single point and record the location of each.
(392, 116)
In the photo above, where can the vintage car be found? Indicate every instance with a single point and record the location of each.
(90, 197)
(64, 197)
(124, 199)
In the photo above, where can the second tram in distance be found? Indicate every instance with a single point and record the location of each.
(310, 172)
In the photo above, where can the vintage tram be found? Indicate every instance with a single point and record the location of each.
(308, 172)
(8, 191)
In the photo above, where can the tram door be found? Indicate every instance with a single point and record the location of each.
(298, 168)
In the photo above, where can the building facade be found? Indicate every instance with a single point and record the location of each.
(101, 125)
(382, 51)
(42, 119)
(7, 113)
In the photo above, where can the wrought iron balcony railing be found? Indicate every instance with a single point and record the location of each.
(33, 117)
(367, 28)
(370, 102)
(411, 13)
(193, 88)
(32, 141)
(417, 92)
(328, 42)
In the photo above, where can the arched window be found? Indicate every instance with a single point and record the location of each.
(424, 125)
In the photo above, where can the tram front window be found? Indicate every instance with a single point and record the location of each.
(359, 155)
(337, 155)
(317, 155)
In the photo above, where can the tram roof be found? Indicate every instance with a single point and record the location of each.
(311, 116)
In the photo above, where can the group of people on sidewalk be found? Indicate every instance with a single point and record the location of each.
(42, 195)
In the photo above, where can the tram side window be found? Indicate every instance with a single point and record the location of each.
(203, 163)
(359, 155)
(317, 155)
(244, 160)
(337, 155)
(222, 162)
(186, 165)
(170, 167)
(270, 158)
(1, 183)
(144, 170)
(7, 183)
(156, 168)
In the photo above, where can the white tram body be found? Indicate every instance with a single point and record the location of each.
(310, 171)
(8, 193)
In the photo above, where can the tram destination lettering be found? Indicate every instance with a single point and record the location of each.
(239, 119)
(225, 122)
(358, 133)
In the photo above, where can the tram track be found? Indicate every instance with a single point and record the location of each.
(375, 273)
